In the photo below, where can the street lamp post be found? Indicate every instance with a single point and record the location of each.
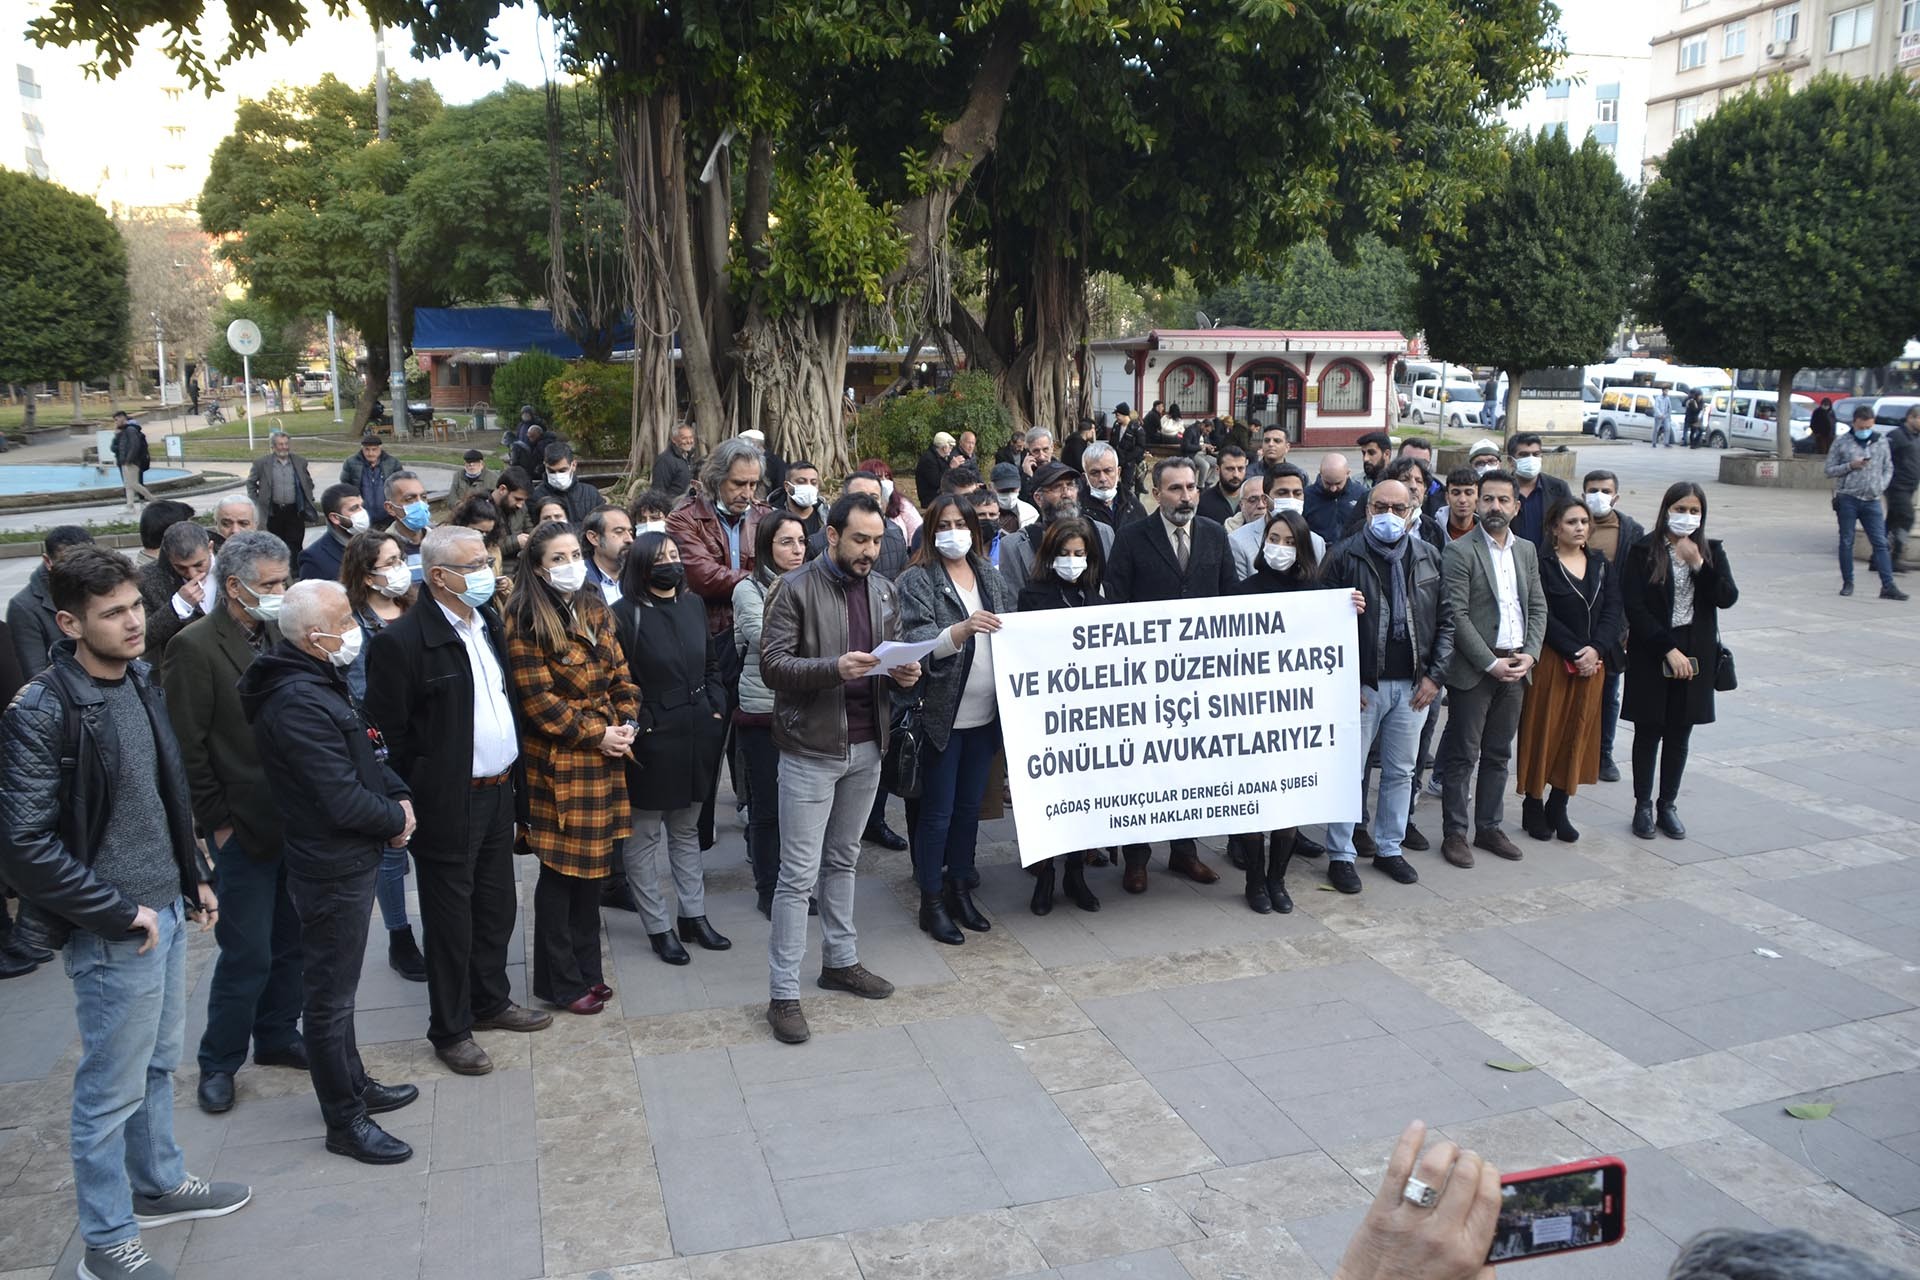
(160, 352)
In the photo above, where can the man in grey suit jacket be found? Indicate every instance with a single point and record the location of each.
(281, 487)
(1492, 583)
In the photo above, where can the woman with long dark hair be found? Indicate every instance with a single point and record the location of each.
(373, 569)
(1068, 570)
(1675, 583)
(1559, 747)
(1286, 563)
(578, 710)
(949, 590)
(892, 501)
(663, 631)
(780, 547)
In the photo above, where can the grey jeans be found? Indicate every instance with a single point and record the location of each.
(673, 833)
(823, 809)
(1481, 723)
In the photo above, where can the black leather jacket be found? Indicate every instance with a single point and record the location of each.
(55, 808)
(1349, 564)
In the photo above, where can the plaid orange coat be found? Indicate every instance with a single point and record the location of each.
(576, 797)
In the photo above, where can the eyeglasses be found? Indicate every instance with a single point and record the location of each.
(1381, 508)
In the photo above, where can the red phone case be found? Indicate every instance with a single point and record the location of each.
(1596, 1164)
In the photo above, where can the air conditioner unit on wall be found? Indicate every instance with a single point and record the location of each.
(1777, 49)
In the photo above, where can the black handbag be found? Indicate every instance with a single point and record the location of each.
(1725, 678)
(902, 771)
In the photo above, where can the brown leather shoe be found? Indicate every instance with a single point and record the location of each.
(1194, 869)
(1134, 879)
(1495, 842)
(514, 1018)
(465, 1059)
(1454, 849)
(857, 980)
(587, 1005)
(788, 1022)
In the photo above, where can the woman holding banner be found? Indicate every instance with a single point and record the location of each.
(1066, 574)
(949, 590)
(1286, 563)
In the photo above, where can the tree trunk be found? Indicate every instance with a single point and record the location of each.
(79, 413)
(1783, 416)
(797, 366)
(655, 404)
(710, 418)
(33, 406)
(1512, 407)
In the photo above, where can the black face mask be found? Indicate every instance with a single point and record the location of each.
(671, 574)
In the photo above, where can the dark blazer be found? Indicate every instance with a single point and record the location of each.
(682, 699)
(225, 773)
(929, 604)
(260, 488)
(1142, 565)
(1583, 613)
(30, 618)
(1649, 609)
(420, 696)
(158, 583)
(321, 558)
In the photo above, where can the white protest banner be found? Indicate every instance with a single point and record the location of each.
(1127, 724)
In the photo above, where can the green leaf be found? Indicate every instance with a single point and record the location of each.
(1498, 1065)
(1810, 1110)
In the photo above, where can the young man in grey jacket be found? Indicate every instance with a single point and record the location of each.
(1861, 466)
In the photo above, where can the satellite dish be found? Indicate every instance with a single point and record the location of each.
(1204, 320)
(244, 337)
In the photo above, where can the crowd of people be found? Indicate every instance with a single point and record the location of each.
(307, 725)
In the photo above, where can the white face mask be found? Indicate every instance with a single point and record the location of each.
(651, 526)
(1296, 505)
(1480, 468)
(1007, 498)
(395, 580)
(349, 646)
(1526, 468)
(1279, 557)
(359, 521)
(1069, 568)
(1105, 495)
(560, 481)
(886, 490)
(264, 608)
(1600, 504)
(806, 495)
(569, 577)
(1684, 523)
(953, 543)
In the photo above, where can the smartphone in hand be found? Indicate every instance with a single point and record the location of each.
(1582, 1205)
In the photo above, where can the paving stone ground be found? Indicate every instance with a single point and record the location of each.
(1173, 1087)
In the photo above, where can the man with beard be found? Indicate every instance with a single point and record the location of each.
(1376, 450)
(1106, 495)
(1056, 491)
(1274, 447)
(1220, 502)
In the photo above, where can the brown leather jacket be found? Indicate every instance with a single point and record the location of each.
(804, 634)
(703, 549)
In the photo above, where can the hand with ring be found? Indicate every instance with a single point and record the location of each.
(1433, 1218)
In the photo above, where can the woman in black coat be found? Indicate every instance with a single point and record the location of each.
(1067, 572)
(663, 631)
(1676, 582)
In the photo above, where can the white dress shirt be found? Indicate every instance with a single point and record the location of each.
(1506, 587)
(496, 743)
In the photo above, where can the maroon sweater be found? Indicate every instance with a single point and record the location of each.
(861, 705)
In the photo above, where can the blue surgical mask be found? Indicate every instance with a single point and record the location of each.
(1387, 527)
(480, 586)
(1863, 434)
(416, 514)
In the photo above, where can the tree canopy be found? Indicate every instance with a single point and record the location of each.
(1541, 272)
(63, 284)
(1782, 232)
(283, 341)
(1315, 290)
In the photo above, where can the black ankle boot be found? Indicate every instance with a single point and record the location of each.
(668, 948)
(936, 923)
(696, 929)
(960, 906)
(1042, 900)
(1557, 816)
(1668, 821)
(1533, 819)
(1643, 819)
(1277, 884)
(1077, 891)
(1257, 896)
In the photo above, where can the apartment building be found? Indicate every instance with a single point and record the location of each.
(1598, 95)
(1707, 50)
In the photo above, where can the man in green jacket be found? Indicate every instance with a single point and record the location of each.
(255, 994)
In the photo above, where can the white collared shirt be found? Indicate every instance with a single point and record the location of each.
(1506, 587)
(496, 743)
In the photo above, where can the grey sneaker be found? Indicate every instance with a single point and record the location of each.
(194, 1198)
(121, 1261)
(856, 979)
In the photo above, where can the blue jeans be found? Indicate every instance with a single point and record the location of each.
(1609, 713)
(949, 826)
(255, 992)
(132, 1011)
(390, 888)
(1873, 519)
(1387, 712)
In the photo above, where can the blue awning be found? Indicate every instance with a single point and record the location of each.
(499, 329)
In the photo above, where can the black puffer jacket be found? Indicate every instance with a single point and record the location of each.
(339, 800)
(55, 807)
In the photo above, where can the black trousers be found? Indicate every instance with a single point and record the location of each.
(285, 524)
(1663, 747)
(566, 936)
(467, 909)
(334, 915)
(762, 760)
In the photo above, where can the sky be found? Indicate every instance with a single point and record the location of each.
(1607, 26)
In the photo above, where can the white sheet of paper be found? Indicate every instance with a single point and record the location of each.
(898, 653)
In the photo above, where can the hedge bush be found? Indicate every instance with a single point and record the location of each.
(900, 429)
(523, 380)
(592, 407)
